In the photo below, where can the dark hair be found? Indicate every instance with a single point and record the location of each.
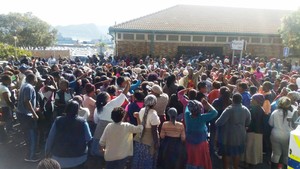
(89, 88)
(216, 85)
(267, 85)
(117, 114)
(180, 88)
(101, 101)
(201, 85)
(253, 90)
(30, 77)
(192, 94)
(48, 163)
(139, 95)
(237, 98)
(120, 80)
(243, 85)
(170, 80)
(111, 90)
(225, 95)
(5, 78)
(72, 109)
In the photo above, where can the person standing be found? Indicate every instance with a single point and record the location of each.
(6, 106)
(26, 114)
(232, 124)
(161, 105)
(172, 154)
(146, 144)
(197, 147)
(117, 139)
(282, 123)
(68, 138)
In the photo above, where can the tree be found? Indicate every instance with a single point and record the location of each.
(8, 50)
(290, 30)
(30, 31)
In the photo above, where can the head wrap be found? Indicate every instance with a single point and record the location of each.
(195, 107)
(172, 113)
(150, 100)
(157, 89)
(295, 95)
(284, 103)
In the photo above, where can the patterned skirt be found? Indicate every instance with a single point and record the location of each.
(172, 154)
(142, 158)
(198, 156)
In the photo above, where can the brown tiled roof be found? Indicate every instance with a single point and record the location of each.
(207, 19)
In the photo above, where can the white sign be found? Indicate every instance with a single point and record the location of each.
(237, 45)
(286, 51)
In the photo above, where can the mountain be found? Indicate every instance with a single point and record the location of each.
(83, 31)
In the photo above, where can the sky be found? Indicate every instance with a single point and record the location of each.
(109, 12)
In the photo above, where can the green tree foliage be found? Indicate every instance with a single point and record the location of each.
(8, 50)
(290, 30)
(30, 31)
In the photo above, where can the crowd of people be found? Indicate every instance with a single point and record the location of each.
(151, 113)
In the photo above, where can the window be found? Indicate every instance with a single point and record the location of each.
(245, 39)
(255, 40)
(185, 38)
(197, 38)
(221, 39)
(128, 36)
(173, 37)
(266, 40)
(161, 37)
(209, 38)
(230, 39)
(119, 35)
(277, 40)
(140, 37)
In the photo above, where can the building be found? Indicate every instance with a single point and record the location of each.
(188, 29)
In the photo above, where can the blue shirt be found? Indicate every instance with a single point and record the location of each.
(196, 130)
(27, 92)
(246, 99)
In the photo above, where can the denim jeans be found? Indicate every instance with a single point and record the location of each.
(29, 128)
(7, 118)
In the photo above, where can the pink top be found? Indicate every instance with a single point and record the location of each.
(89, 103)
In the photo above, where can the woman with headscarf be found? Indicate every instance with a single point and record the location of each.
(282, 123)
(68, 138)
(172, 153)
(147, 143)
(196, 134)
(254, 145)
(232, 125)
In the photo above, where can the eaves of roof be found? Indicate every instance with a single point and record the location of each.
(113, 30)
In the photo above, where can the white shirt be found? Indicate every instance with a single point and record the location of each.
(108, 108)
(4, 89)
(84, 112)
(152, 118)
(118, 140)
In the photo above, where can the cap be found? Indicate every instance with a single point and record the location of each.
(24, 67)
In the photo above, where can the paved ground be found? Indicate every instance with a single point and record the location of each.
(12, 157)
